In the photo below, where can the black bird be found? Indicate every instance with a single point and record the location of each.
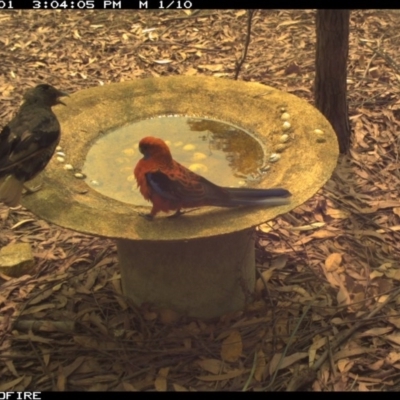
(28, 142)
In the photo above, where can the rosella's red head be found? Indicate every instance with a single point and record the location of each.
(152, 147)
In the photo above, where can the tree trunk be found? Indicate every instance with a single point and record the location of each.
(331, 71)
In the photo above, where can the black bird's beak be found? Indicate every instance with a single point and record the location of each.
(61, 94)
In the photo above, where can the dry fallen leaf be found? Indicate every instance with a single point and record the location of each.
(333, 262)
(286, 362)
(229, 375)
(376, 331)
(163, 61)
(394, 338)
(161, 381)
(393, 357)
(260, 284)
(232, 347)
(212, 67)
(261, 367)
(309, 227)
(179, 388)
(337, 214)
(212, 365)
(345, 365)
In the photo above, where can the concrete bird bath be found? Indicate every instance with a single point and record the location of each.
(201, 264)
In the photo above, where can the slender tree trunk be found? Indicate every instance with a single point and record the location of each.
(331, 71)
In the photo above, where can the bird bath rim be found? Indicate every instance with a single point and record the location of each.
(71, 203)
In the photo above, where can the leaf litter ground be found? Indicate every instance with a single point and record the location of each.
(326, 310)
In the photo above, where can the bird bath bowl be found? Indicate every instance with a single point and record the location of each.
(201, 264)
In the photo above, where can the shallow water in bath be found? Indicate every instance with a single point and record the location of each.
(221, 152)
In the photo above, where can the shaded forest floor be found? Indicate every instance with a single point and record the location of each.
(326, 314)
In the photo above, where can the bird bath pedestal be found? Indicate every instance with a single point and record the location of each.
(202, 263)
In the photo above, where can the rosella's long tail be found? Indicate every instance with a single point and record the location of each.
(255, 197)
